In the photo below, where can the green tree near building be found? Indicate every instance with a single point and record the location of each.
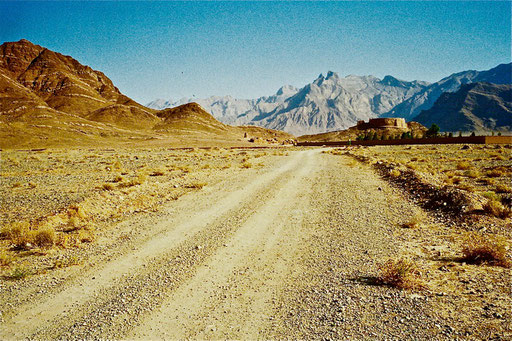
(433, 131)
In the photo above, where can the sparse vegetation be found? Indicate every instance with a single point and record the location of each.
(414, 222)
(197, 185)
(394, 173)
(5, 258)
(20, 272)
(108, 186)
(44, 237)
(485, 249)
(497, 209)
(400, 273)
(463, 165)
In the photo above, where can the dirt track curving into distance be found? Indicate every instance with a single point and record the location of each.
(285, 253)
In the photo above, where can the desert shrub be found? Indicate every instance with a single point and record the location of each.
(472, 173)
(463, 165)
(479, 249)
(414, 222)
(394, 173)
(85, 236)
(119, 178)
(18, 233)
(503, 189)
(185, 169)
(399, 273)
(20, 272)
(197, 185)
(246, 164)
(44, 237)
(108, 186)
(157, 172)
(495, 173)
(117, 165)
(489, 181)
(62, 262)
(496, 208)
(466, 187)
(5, 258)
(491, 195)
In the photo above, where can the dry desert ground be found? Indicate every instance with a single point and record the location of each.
(391, 242)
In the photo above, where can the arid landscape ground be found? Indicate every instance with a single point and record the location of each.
(118, 221)
(282, 242)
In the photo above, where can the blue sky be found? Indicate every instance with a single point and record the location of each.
(249, 49)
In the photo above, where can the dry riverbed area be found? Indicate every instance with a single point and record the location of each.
(254, 244)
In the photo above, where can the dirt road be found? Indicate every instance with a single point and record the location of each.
(284, 251)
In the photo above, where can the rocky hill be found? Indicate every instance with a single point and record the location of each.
(476, 107)
(47, 98)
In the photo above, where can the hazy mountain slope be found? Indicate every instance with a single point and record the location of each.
(474, 107)
(232, 110)
(425, 99)
(332, 103)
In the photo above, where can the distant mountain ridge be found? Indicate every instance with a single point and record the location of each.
(425, 99)
(329, 103)
(227, 109)
(332, 103)
(474, 107)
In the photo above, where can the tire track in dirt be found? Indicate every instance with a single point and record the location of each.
(56, 314)
(231, 294)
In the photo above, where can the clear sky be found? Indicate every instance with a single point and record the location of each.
(250, 49)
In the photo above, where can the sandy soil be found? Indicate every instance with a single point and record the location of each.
(285, 250)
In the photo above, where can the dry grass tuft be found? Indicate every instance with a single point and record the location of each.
(413, 223)
(119, 178)
(18, 233)
(400, 273)
(108, 186)
(495, 173)
(246, 164)
(503, 189)
(157, 172)
(5, 258)
(395, 173)
(479, 249)
(85, 236)
(463, 165)
(497, 209)
(472, 174)
(197, 185)
(20, 272)
(44, 237)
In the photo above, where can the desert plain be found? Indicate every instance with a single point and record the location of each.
(279, 242)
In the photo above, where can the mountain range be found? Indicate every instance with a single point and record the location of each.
(47, 98)
(332, 103)
(474, 107)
